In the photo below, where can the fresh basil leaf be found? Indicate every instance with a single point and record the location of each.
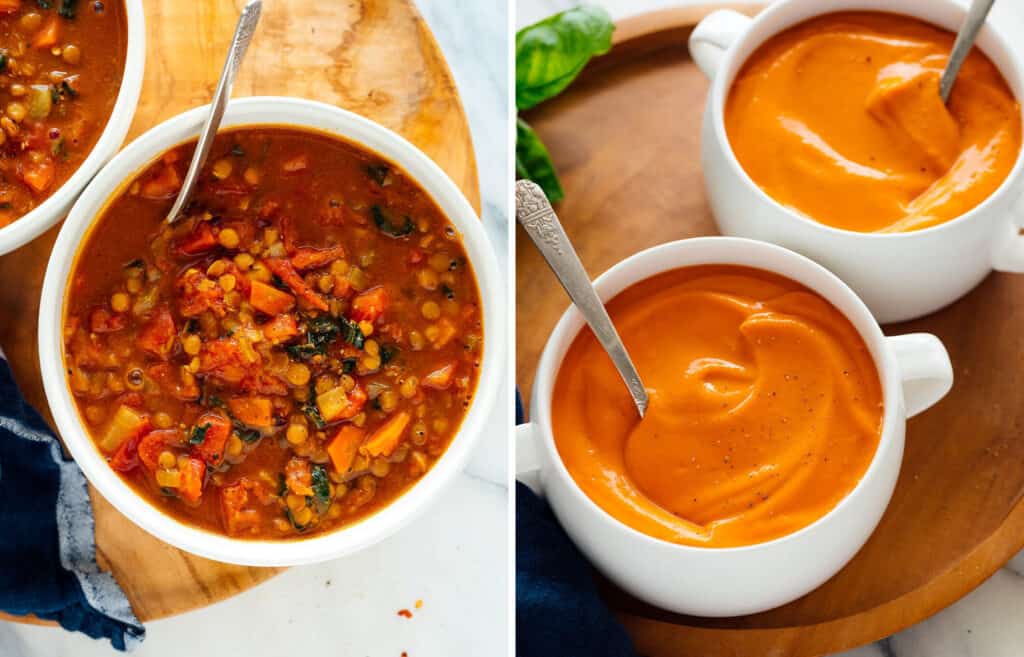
(551, 53)
(533, 162)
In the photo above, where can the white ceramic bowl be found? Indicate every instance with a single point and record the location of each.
(915, 373)
(53, 209)
(899, 275)
(285, 112)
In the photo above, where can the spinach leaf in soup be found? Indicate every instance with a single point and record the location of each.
(534, 163)
(551, 53)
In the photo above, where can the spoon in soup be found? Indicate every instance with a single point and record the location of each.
(239, 44)
(962, 46)
(537, 217)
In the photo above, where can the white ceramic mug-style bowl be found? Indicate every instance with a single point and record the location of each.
(49, 212)
(287, 112)
(899, 276)
(915, 373)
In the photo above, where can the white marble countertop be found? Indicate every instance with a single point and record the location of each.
(983, 624)
(454, 558)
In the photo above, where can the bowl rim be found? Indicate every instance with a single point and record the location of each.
(302, 114)
(571, 322)
(996, 47)
(41, 218)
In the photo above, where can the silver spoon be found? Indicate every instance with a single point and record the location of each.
(535, 214)
(239, 44)
(962, 46)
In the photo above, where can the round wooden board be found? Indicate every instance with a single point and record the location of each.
(625, 138)
(374, 57)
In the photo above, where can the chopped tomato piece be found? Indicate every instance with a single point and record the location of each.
(370, 305)
(386, 438)
(235, 501)
(343, 447)
(309, 258)
(280, 328)
(193, 475)
(200, 240)
(126, 458)
(269, 300)
(156, 336)
(224, 359)
(48, 34)
(440, 378)
(264, 384)
(298, 476)
(39, 175)
(253, 411)
(155, 443)
(214, 430)
(197, 293)
(291, 278)
(163, 185)
(102, 320)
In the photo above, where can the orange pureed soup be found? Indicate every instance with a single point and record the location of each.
(840, 119)
(765, 408)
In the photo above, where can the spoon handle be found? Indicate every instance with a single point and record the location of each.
(962, 46)
(239, 44)
(535, 214)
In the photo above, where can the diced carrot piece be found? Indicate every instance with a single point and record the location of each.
(200, 240)
(9, 6)
(308, 258)
(270, 300)
(253, 411)
(370, 305)
(48, 34)
(286, 272)
(193, 475)
(39, 175)
(386, 438)
(156, 442)
(127, 423)
(343, 447)
(280, 328)
(215, 438)
(163, 185)
(157, 335)
(440, 378)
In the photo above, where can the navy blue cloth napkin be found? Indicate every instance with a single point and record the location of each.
(47, 545)
(558, 610)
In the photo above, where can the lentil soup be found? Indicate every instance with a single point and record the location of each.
(61, 65)
(288, 358)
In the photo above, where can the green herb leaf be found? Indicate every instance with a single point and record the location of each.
(246, 433)
(533, 162)
(44, 4)
(135, 264)
(311, 410)
(67, 8)
(321, 487)
(291, 519)
(387, 226)
(321, 331)
(282, 486)
(351, 333)
(59, 149)
(237, 151)
(3, 62)
(348, 365)
(387, 353)
(551, 53)
(198, 434)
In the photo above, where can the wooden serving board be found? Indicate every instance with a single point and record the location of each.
(374, 57)
(625, 138)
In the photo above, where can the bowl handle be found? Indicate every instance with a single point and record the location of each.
(528, 462)
(924, 369)
(713, 36)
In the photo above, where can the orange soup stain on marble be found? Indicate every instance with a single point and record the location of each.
(765, 408)
(840, 119)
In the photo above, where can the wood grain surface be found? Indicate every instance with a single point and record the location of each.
(625, 139)
(374, 57)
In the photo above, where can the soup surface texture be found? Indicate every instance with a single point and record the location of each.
(289, 357)
(765, 408)
(61, 64)
(840, 119)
